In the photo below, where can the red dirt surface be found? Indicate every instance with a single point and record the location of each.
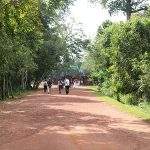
(78, 121)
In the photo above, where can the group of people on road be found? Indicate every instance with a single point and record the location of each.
(62, 84)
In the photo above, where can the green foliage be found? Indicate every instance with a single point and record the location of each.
(121, 55)
(32, 42)
(129, 99)
(126, 6)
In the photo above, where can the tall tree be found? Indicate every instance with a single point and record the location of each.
(30, 41)
(126, 6)
(119, 60)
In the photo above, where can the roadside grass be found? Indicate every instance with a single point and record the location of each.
(17, 95)
(142, 111)
(21, 94)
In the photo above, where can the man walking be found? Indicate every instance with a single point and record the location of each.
(60, 85)
(49, 82)
(67, 85)
(45, 86)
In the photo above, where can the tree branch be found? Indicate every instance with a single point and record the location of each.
(140, 9)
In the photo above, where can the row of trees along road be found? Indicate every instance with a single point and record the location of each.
(118, 60)
(33, 42)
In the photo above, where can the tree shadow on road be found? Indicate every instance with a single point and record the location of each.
(32, 117)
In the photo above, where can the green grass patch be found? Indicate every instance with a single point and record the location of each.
(142, 111)
(18, 95)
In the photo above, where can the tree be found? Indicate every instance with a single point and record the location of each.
(29, 34)
(126, 6)
(119, 60)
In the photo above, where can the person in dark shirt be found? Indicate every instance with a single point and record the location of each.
(60, 85)
(49, 83)
(45, 86)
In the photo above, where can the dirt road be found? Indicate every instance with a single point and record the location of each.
(74, 122)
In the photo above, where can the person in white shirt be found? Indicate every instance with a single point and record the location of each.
(45, 86)
(67, 85)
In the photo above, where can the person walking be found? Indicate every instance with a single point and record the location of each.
(67, 85)
(49, 89)
(60, 85)
(74, 83)
(45, 86)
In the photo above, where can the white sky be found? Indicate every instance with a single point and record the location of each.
(89, 17)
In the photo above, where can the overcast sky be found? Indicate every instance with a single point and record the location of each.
(90, 16)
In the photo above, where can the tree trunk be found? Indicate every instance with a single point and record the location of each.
(7, 88)
(3, 88)
(128, 9)
(11, 90)
(128, 15)
(25, 80)
(22, 81)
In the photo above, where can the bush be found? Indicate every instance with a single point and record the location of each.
(122, 61)
(130, 99)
